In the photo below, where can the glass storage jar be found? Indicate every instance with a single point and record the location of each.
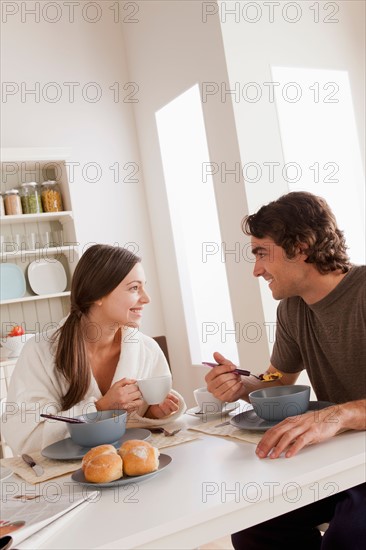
(30, 198)
(12, 203)
(51, 197)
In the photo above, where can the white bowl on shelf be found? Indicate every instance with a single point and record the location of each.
(14, 344)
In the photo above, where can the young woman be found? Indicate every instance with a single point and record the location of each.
(92, 361)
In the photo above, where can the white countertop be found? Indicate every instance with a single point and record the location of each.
(214, 486)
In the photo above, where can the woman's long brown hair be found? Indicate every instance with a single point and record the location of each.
(99, 271)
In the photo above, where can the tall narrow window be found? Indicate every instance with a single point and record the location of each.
(321, 146)
(195, 228)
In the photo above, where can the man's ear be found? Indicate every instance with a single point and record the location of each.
(302, 248)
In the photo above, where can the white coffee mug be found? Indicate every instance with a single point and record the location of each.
(154, 390)
(207, 402)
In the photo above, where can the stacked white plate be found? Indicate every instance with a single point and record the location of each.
(47, 277)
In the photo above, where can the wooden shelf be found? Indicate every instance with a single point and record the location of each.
(18, 166)
(36, 297)
(32, 218)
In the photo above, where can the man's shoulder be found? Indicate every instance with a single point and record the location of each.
(358, 273)
(354, 283)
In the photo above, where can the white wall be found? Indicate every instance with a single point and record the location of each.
(101, 132)
(169, 51)
(251, 48)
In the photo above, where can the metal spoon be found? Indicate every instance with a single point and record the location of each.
(236, 371)
(63, 419)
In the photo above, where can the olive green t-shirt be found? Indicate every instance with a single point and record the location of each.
(327, 338)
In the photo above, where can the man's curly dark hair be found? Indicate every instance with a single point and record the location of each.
(297, 219)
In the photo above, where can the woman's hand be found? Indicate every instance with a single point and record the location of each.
(169, 406)
(123, 394)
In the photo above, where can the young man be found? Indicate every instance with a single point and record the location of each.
(321, 327)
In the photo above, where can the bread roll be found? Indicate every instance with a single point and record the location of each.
(139, 457)
(96, 451)
(102, 464)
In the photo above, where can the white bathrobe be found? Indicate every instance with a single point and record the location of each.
(36, 387)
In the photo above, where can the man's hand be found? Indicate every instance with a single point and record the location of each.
(226, 385)
(222, 382)
(296, 432)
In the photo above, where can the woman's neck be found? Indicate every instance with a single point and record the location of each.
(100, 334)
(103, 351)
(99, 341)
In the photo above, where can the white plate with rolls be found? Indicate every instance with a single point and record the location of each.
(79, 477)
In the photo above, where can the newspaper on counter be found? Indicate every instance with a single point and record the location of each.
(25, 512)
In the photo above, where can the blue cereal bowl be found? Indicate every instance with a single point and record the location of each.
(98, 428)
(279, 402)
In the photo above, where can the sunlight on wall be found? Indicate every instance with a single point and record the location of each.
(195, 227)
(319, 139)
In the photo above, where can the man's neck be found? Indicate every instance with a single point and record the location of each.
(319, 286)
